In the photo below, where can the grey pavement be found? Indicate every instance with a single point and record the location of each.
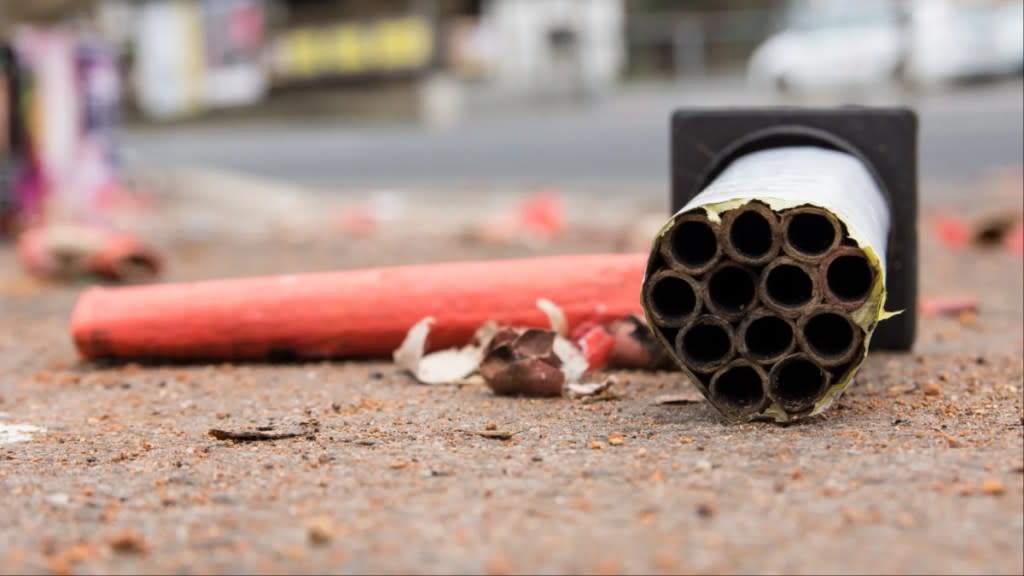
(618, 140)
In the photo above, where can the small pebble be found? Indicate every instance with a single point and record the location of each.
(320, 530)
(992, 487)
(705, 510)
(128, 543)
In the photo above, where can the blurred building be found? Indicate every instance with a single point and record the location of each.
(14, 13)
(692, 39)
(559, 45)
(186, 56)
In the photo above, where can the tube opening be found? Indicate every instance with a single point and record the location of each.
(811, 233)
(829, 335)
(705, 344)
(849, 278)
(694, 243)
(731, 289)
(796, 383)
(788, 285)
(672, 297)
(751, 235)
(739, 387)
(768, 337)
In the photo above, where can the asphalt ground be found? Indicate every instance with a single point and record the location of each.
(919, 468)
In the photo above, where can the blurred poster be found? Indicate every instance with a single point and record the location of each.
(234, 34)
(101, 95)
(192, 56)
(51, 120)
(169, 59)
(381, 46)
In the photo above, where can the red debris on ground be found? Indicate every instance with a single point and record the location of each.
(951, 231)
(933, 306)
(356, 221)
(1014, 241)
(65, 252)
(596, 345)
(542, 214)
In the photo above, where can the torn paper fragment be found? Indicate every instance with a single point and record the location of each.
(11, 433)
(578, 390)
(555, 316)
(445, 366)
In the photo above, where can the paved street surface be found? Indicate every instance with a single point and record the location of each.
(622, 139)
(111, 468)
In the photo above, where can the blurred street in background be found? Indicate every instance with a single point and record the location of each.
(600, 146)
(485, 94)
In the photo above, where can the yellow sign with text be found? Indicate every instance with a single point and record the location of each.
(350, 49)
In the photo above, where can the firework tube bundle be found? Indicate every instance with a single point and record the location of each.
(768, 285)
(358, 313)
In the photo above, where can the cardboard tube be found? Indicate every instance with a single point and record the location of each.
(674, 298)
(828, 335)
(847, 277)
(692, 245)
(707, 344)
(788, 287)
(766, 337)
(796, 383)
(810, 232)
(358, 313)
(751, 234)
(730, 290)
(740, 388)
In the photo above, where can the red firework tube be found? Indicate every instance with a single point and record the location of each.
(358, 313)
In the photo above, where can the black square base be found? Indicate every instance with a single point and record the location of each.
(704, 141)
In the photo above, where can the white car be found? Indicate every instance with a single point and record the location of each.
(831, 43)
(1010, 37)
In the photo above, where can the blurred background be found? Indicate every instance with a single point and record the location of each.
(385, 102)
